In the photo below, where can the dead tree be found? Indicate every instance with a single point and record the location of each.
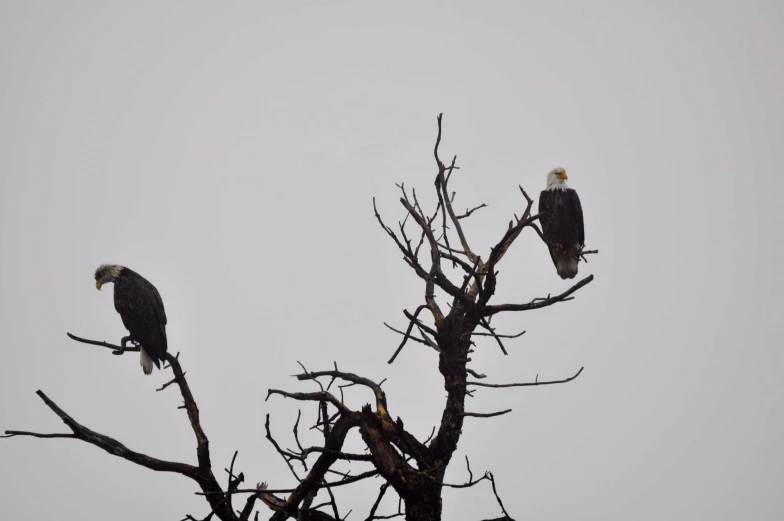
(411, 468)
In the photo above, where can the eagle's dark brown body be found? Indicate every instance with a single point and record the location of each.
(562, 226)
(141, 308)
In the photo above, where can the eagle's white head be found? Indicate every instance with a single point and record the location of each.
(107, 273)
(556, 179)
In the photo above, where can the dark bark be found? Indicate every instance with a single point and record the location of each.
(426, 507)
(333, 445)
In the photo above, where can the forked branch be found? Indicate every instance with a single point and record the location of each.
(201, 473)
(528, 384)
(538, 302)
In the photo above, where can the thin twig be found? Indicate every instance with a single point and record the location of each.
(407, 335)
(373, 509)
(528, 384)
(472, 210)
(497, 497)
(347, 481)
(486, 414)
(286, 457)
(483, 322)
(167, 384)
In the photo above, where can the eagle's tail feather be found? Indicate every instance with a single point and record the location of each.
(146, 362)
(566, 265)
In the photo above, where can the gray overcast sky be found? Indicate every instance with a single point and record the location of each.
(230, 152)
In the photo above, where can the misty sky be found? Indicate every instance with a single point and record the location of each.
(230, 153)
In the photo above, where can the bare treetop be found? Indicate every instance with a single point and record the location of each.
(411, 468)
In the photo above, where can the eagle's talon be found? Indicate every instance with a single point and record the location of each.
(123, 345)
(123, 342)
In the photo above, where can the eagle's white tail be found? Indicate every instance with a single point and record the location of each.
(566, 266)
(146, 362)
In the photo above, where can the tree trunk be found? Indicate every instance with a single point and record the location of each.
(426, 506)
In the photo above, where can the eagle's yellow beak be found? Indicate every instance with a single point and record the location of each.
(98, 284)
(564, 176)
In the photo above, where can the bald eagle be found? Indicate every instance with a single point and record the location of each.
(141, 309)
(562, 223)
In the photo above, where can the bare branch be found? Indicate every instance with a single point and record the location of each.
(374, 508)
(167, 384)
(202, 473)
(408, 256)
(483, 322)
(497, 497)
(333, 503)
(339, 455)
(315, 477)
(451, 250)
(11, 434)
(313, 397)
(103, 344)
(442, 194)
(466, 485)
(472, 210)
(468, 467)
(203, 444)
(233, 480)
(475, 374)
(471, 272)
(381, 399)
(207, 518)
(408, 333)
(287, 457)
(347, 481)
(487, 414)
(435, 268)
(537, 303)
(192, 409)
(500, 249)
(266, 496)
(106, 443)
(494, 334)
(528, 384)
(440, 181)
(410, 337)
(419, 324)
(249, 504)
(429, 221)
